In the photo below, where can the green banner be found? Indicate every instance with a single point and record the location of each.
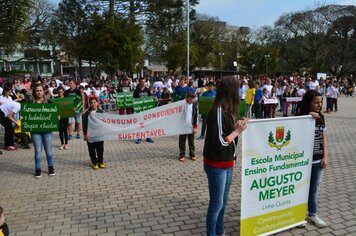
(205, 104)
(242, 108)
(65, 106)
(78, 103)
(39, 118)
(143, 104)
(124, 99)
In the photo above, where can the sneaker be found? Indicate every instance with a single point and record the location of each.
(38, 174)
(102, 165)
(95, 166)
(66, 147)
(138, 141)
(193, 158)
(316, 221)
(51, 171)
(181, 158)
(70, 136)
(61, 147)
(150, 140)
(78, 136)
(201, 137)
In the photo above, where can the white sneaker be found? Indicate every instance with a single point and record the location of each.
(316, 221)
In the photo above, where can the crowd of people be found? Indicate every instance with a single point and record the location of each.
(259, 98)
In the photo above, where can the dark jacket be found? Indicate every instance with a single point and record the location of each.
(195, 116)
(219, 125)
(85, 119)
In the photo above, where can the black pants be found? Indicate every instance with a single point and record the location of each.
(9, 130)
(257, 108)
(96, 152)
(63, 130)
(25, 139)
(335, 104)
(329, 104)
(182, 139)
(203, 126)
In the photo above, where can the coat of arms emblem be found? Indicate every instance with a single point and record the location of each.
(279, 141)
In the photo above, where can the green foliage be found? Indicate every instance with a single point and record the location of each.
(13, 20)
(117, 43)
(166, 31)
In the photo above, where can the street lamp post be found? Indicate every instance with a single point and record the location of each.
(221, 54)
(267, 56)
(188, 38)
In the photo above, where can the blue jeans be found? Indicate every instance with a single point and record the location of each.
(38, 140)
(316, 177)
(219, 181)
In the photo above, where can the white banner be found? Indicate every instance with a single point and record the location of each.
(276, 165)
(171, 119)
(293, 99)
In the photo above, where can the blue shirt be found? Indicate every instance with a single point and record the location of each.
(180, 91)
(258, 95)
(209, 93)
(191, 89)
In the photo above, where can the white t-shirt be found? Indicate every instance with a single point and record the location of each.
(301, 92)
(10, 106)
(331, 92)
(269, 89)
(5, 99)
(313, 85)
(158, 84)
(243, 90)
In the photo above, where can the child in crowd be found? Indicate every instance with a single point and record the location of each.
(257, 101)
(265, 106)
(96, 149)
(63, 124)
(4, 229)
(287, 93)
(249, 99)
(312, 104)
(193, 110)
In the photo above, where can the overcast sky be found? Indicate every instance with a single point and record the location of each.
(256, 13)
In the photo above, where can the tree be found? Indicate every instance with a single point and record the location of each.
(13, 19)
(70, 25)
(117, 43)
(206, 34)
(165, 30)
(309, 31)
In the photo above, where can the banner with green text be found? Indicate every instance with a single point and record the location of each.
(276, 165)
(39, 118)
(65, 106)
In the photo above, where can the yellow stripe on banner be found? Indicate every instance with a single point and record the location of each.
(272, 221)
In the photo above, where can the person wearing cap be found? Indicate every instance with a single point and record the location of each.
(209, 93)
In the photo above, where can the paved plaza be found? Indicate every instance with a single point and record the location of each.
(145, 190)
